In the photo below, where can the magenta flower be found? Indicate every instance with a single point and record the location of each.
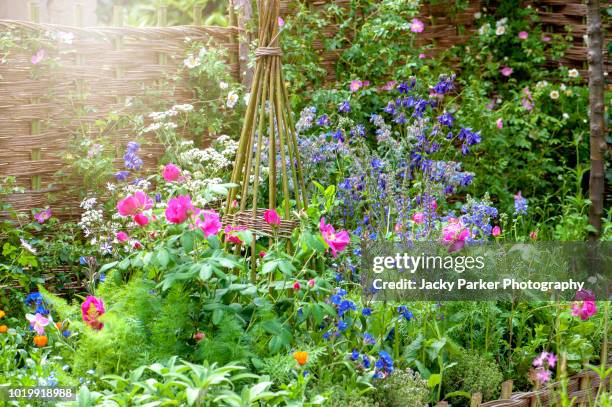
(422, 56)
(500, 123)
(418, 218)
(171, 172)
(230, 233)
(584, 306)
(92, 309)
(179, 209)
(523, 35)
(272, 217)
(355, 85)
(122, 236)
(296, 286)
(416, 26)
(454, 235)
(527, 101)
(38, 323)
(552, 360)
(141, 219)
(543, 375)
(281, 22)
(42, 216)
(496, 231)
(209, 222)
(506, 71)
(39, 56)
(546, 38)
(134, 204)
(311, 282)
(337, 242)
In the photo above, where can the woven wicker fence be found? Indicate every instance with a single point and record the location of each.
(99, 72)
(446, 28)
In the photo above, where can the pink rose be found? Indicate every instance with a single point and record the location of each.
(134, 204)
(506, 71)
(39, 56)
(500, 123)
(121, 236)
(272, 217)
(416, 26)
(337, 242)
(171, 172)
(179, 209)
(355, 85)
(296, 286)
(454, 235)
(533, 235)
(311, 282)
(230, 236)
(496, 231)
(418, 218)
(523, 35)
(585, 306)
(198, 336)
(209, 222)
(91, 309)
(141, 219)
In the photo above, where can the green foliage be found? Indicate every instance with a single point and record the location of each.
(474, 373)
(402, 388)
(228, 343)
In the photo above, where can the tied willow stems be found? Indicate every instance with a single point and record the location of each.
(268, 111)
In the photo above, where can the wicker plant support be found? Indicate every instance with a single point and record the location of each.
(267, 113)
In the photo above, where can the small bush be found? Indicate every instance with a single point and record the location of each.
(474, 373)
(403, 388)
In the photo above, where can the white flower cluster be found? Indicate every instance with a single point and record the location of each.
(159, 118)
(193, 61)
(501, 26)
(60, 36)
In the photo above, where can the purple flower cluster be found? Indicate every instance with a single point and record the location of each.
(520, 204)
(384, 365)
(131, 159)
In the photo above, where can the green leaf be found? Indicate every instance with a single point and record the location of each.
(163, 258)
(205, 272)
(107, 266)
(434, 380)
(187, 241)
(124, 264)
(458, 394)
(217, 316)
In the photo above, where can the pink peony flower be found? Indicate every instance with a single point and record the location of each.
(355, 85)
(418, 218)
(179, 209)
(416, 26)
(337, 242)
(506, 71)
(92, 309)
(230, 236)
(311, 282)
(39, 56)
(296, 286)
(272, 217)
(171, 172)
(38, 322)
(523, 35)
(134, 204)
(121, 236)
(141, 219)
(496, 231)
(209, 222)
(584, 306)
(500, 123)
(454, 235)
(42, 216)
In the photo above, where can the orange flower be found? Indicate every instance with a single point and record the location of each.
(2, 314)
(58, 325)
(301, 357)
(3, 329)
(40, 340)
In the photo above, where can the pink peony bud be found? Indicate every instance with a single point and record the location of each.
(496, 231)
(311, 282)
(198, 336)
(141, 219)
(122, 236)
(296, 285)
(171, 172)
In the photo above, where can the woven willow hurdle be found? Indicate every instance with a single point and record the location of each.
(99, 72)
(267, 113)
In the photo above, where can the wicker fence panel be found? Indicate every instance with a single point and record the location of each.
(38, 108)
(446, 27)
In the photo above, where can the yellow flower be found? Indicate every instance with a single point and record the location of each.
(40, 340)
(3, 329)
(2, 314)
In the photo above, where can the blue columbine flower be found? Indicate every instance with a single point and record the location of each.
(368, 339)
(132, 161)
(520, 204)
(445, 85)
(338, 135)
(323, 120)
(390, 108)
(122, 175)
(344, 107)
(446, 119)
(377, 164)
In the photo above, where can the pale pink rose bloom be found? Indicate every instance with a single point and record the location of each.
(416, 26)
